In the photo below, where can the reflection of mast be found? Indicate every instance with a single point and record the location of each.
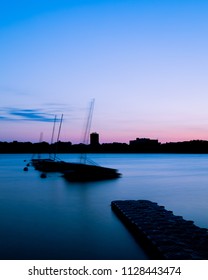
(83, 157)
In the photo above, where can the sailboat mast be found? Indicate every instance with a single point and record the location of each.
(83, 157)
(60, 128)
(52, 136)
(40, 141)
(59, 131)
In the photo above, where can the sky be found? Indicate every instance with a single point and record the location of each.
(144, 62)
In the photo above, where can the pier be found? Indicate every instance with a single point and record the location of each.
(161, 233)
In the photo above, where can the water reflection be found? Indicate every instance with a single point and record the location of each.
(56, 219)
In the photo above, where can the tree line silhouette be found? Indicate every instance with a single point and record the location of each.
(193, 146)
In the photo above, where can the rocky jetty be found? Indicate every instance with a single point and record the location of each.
(163, 234)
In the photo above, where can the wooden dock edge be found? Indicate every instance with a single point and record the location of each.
(161, 233)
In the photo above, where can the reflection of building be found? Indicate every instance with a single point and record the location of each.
(94, 139)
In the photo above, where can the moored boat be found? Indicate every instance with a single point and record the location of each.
(86, 172)
(77, 172)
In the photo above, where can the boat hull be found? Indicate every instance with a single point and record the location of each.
(86, 173)
(76, 172)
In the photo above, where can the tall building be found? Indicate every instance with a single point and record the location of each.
(94, 139)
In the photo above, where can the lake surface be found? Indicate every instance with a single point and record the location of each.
(54, 219)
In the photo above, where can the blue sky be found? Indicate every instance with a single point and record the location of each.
(144, 61)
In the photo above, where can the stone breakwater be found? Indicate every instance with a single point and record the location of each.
(163, 234)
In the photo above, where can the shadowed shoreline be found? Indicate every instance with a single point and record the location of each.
(192, 147)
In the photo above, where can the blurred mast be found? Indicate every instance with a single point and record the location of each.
(59, 131)
(52, 136)
(83, 156)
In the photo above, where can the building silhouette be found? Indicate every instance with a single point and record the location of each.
(144, 145)
(94, 139)
(143, 141)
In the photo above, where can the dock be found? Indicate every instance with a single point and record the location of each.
(162, 234)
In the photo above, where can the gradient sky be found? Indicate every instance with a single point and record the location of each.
(144, 61)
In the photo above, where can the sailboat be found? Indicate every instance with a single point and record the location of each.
(52, 163)
(83, 171)
(87, 170)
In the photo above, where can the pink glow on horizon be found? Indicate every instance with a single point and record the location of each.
(104, 138)
(27, 131)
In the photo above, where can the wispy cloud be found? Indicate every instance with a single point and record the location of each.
(2, 118)
(16, 114)
(44, 113)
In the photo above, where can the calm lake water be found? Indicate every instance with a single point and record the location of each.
(54, 219)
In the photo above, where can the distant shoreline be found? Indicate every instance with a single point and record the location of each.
(186, 147)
